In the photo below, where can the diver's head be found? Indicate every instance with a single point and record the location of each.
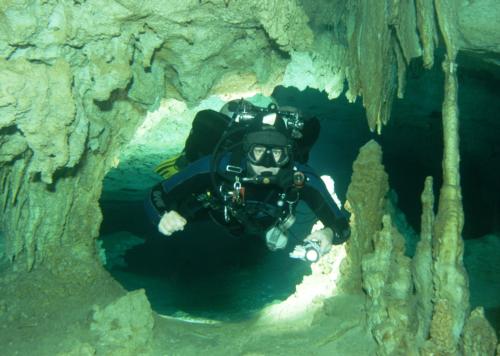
(267, 150)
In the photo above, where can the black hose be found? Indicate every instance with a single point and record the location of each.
(216, 155)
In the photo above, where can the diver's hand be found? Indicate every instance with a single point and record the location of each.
(316, 245)
(171, 222)
(324, 239)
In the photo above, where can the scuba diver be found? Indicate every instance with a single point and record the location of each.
(245, 167)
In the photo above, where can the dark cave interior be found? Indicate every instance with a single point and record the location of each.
(203, 271)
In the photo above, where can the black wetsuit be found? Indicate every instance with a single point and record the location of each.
(192, 193)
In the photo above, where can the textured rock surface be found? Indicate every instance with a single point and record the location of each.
(387, 281)
(426, 24)
(478, 336)
(386, 34)
(422, 263)
(124, 327)
(376, 261)
(77, 78)
(414, 304)
(366, 200)
(478, 23)
(321, 68)
(45, 118)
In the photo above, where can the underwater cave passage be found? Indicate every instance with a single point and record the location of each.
(204, 271)
(201, 272)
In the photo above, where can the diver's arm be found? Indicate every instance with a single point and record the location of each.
(317, 197)
(334, 228)
(171, 201)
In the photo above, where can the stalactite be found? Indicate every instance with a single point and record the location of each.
(401, 65)
(382, 41)
(372, 73)
(426, 24)
(404, 22)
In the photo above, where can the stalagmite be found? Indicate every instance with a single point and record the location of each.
(478, 337)
(366, 199)
(451, 298)
(422, 263)
(387, 281)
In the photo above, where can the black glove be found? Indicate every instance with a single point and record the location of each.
(341, 231)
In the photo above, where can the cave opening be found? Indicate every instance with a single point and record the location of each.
(202, 271)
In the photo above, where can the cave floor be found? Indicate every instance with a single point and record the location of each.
(336, 334)
(41, 314)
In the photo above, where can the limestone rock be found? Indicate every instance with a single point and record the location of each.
(286, 23)
(422, 263)
(405, 22)
(80, 349)
(124, 327)
(478, 24)
(369, 36)
(366, 201)
(479, 338)
(321, 68)
(387, 281)
(43, 115)
(426, 24)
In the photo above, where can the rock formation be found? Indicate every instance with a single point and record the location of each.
(78, 77)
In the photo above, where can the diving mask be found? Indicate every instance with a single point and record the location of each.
(268, 156)
(267, 148)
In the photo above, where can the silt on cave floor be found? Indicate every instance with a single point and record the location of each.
(51, 317)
